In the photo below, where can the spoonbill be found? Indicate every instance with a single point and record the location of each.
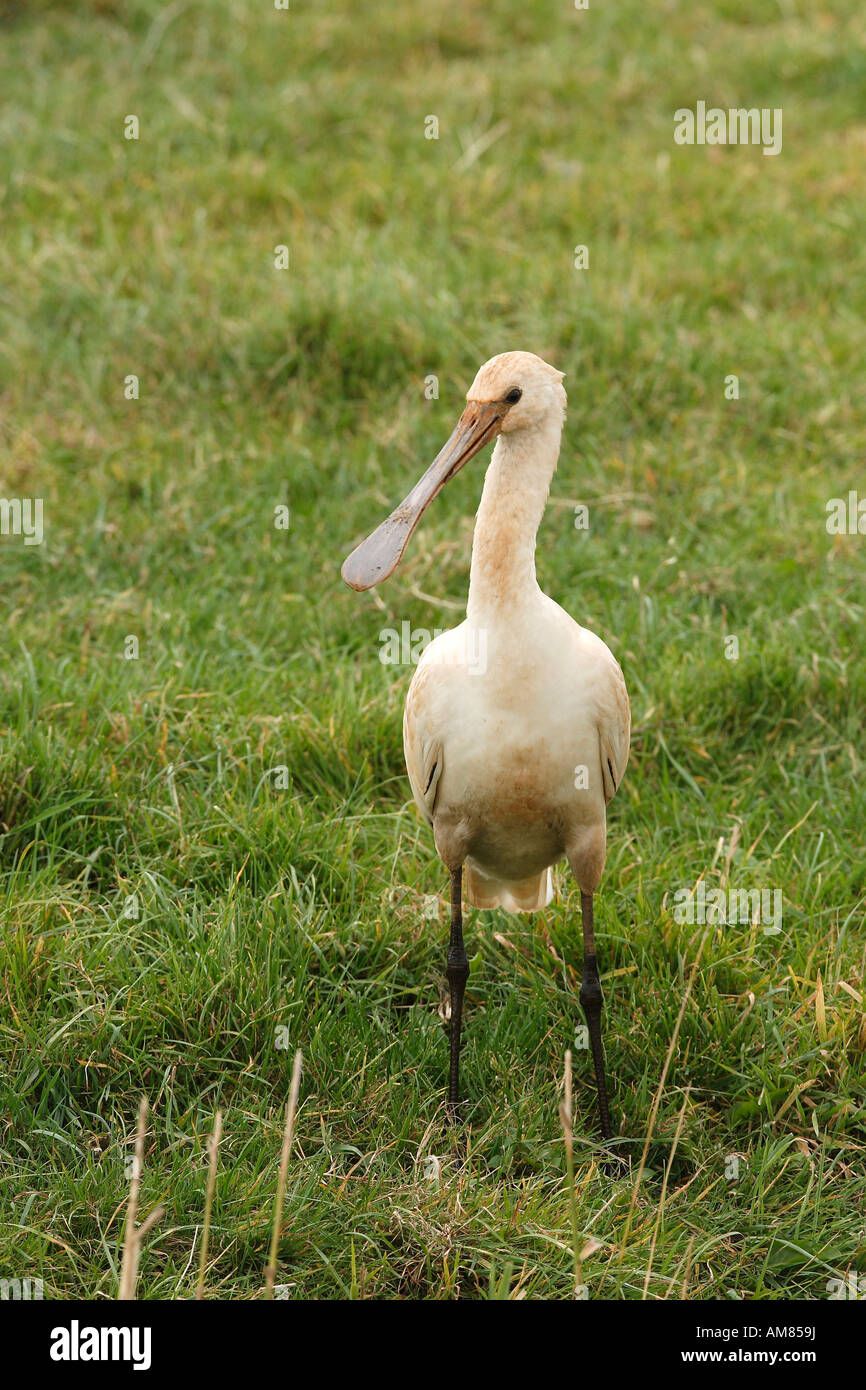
(516, 725)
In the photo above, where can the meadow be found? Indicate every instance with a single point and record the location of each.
(209, 854)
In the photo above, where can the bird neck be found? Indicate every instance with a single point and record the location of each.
(516, 486)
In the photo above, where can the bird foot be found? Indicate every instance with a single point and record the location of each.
(614, 1165)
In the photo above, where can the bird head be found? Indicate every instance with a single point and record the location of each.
(523, 388)
(513, 391)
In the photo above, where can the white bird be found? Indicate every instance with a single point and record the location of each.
(516, 725)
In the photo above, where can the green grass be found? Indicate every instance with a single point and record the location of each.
(309, 907)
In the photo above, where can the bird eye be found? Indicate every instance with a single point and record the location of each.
(514, 395)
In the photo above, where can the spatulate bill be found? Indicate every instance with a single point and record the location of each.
(377, 557)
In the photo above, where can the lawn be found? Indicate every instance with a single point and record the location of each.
(209, 854)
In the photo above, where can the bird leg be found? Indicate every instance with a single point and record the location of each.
(591, 1000)
(458, 974)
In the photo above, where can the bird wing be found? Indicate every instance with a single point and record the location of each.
(424, 762)
(422, 732)
(614, 729)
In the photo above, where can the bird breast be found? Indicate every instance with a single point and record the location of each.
(510, 714)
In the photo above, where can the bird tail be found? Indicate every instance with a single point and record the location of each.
(525, 895)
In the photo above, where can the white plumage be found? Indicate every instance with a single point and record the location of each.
(516, 725)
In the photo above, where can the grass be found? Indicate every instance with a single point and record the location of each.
(179, 915)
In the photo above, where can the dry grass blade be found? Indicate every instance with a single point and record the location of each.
(661, 1205)
(820, 1010)
(288, 1136)
(685, 1287)
(133, 1234)
(566, 1114)
(654, 1110)
(213, 1145)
